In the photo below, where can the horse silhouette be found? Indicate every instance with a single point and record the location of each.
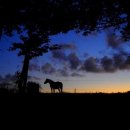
(54, 85)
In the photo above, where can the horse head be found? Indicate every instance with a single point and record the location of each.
(46, 81)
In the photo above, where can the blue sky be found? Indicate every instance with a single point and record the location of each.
(91, 44)
(94, 46)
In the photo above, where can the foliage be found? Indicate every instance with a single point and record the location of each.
(33, 87)
(50, 17)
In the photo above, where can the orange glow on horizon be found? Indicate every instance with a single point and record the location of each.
(106, 88)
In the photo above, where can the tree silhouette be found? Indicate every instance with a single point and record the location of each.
(32, 46)
(54, 16)
(33, 87)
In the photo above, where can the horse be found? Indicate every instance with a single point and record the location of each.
(54, 85)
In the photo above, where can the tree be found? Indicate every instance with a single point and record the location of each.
(39, 30)
(64, 15)
(33, 87)
(33, 45)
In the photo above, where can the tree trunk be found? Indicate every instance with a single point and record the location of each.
(24, 74)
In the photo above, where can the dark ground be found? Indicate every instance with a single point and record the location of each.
(85, 110)
(64, 99)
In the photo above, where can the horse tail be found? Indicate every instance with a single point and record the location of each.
(61, 87)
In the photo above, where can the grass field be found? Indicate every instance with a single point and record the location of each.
(89, 108)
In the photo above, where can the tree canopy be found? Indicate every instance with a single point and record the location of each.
(54, 16)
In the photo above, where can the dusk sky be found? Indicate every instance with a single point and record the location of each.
(84, 63)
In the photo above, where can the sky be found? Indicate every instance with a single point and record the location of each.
(98, 62)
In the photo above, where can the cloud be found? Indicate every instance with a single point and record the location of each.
(68, 46)
(76, 68)
(1, 78)
(127, 63)
(47, 68)
(73, 61)
(117, 62)
(76, 74)
(34, 67)
(59, 55)
(33, 78)
(108, 64)
(113, 40)
(120, 61)
(91, 65)
(6, 84)
(62, 72)
(8, 80)
(10, 77)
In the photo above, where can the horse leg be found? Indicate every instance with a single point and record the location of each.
(53, 90)
(59, 90)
